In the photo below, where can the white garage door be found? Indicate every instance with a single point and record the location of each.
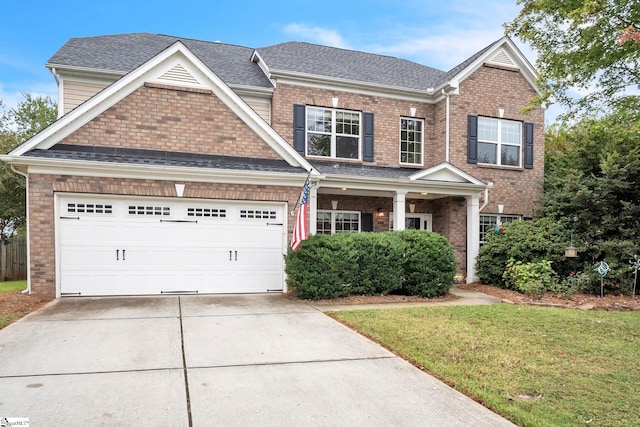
(138, 246)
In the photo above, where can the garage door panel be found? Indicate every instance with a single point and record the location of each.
(133, 246)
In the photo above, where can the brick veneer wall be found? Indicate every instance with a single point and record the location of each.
(387, 113)
(42, 221)
(483, 93)
(167, 118)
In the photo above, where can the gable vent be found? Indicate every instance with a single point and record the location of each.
(178, 74)
(501, 58)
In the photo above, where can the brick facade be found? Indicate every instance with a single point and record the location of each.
(42, 220)
(484, 93)
(168, 118)
(387, 113)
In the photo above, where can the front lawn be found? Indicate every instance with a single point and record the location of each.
(535, 366)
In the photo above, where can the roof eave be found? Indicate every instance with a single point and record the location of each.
(141, 171)
(293, 76)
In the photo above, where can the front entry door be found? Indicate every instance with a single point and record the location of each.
(417, 222)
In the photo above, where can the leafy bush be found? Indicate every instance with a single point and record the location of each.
(323, 267)
(525, 241)
(429, 263)
(531, 278)
(406, 262)
(571, 285)
(379, 271)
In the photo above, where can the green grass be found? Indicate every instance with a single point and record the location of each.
(535, 366)
(13, 286)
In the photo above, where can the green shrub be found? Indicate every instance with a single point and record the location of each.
(526, 241)
(409, 262)
(429, 263)
(531, 278)
(323, 267)
(377, 255)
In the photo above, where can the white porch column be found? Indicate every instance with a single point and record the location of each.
(313, 209)
(398, 210)
(473, 236)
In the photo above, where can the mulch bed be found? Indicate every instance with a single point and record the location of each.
(610, 302)
(15, 304)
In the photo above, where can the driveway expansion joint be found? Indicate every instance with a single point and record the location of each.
(296, 362)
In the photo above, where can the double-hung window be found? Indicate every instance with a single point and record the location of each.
(411, 141)
(333, 133)
(332, 222)
(499, 142)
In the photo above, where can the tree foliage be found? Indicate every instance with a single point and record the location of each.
(592, 187)
(588, 46)
(17, 125)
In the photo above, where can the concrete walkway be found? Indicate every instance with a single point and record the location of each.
(254, 360)
(464, 297)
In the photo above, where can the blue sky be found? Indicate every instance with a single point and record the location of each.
(434, 33)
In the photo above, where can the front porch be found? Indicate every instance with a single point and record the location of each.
(442, 199)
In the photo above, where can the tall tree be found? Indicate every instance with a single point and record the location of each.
(16, 126)
(593, 176)
(586, 47)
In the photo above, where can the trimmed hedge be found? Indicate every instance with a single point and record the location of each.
(406, 262)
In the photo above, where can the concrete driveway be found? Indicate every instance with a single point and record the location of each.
(254, 360)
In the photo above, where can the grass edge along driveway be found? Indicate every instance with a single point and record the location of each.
(534, 366)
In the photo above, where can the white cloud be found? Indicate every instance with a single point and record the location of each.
(443, 50)
(316, 34)
(10, 98)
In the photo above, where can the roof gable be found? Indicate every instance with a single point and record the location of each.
(445, 172)
(502, 53)
(176, 65)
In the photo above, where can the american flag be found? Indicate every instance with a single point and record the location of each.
(300, 230)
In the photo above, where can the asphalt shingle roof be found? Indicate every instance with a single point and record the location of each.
(162, 158)
(123, 53)
(350, 65)
(347, 169)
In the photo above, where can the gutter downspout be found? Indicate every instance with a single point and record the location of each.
(447, 114)
(485, 199)
(60, 95)
(28, 289)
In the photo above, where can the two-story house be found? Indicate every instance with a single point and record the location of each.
(175, 165)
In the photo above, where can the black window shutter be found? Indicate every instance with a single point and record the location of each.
(472, 139)
(367, 154)
(299, 128)
(528, 145)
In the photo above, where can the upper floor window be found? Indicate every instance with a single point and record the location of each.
(499, 142)
(333, 133)
(411, 141)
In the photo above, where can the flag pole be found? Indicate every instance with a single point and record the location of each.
(300, 195)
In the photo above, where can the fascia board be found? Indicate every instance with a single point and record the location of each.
(256, 58)
(449, 167)
(155, 172)
(385, 184)
(322, 82)
(72, 69)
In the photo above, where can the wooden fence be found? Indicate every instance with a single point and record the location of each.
(13, 259)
